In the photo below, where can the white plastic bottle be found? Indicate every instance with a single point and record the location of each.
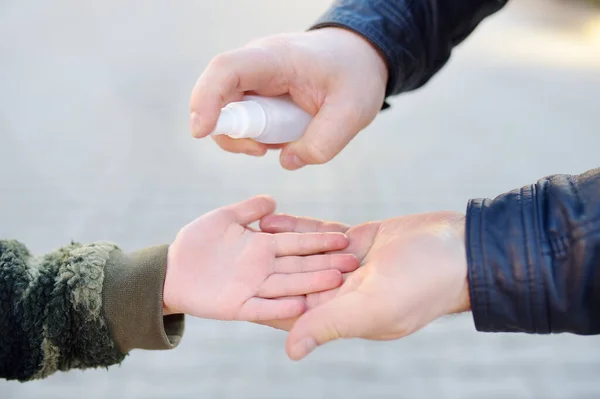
(268, 120)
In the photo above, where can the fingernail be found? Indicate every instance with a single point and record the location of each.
(293, 162)
(195, 124)
(303, 348)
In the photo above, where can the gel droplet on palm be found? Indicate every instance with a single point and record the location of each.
(268, 120)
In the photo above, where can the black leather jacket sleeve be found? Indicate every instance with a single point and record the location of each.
(534, 257)
(415, 37)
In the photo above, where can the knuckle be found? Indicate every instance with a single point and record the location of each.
(328, 261)
(333, 330)
(222, 70)
(303, 264)
(325, 242)
(353, 116)
(314, 299)
(225, 215)
(269, 42)
(298, 241)
(220, 61)
(317, 153)
(261, 240)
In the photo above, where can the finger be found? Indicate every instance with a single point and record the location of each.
(312, 301)
(280, 223)
(289, 244)
(342, 317)
(240, 146)
(226, 78)
(329, 132)
(250, 210)
(274, 146)
(302, 264)
(259, 309)
(284, 325)
(319, 298)
(282, 285)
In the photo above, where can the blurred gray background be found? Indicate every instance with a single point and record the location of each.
(94, 145)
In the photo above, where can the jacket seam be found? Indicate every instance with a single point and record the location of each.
(540, 299)
(476, 259)
(402, 20)
(530, 272)
(484, 258)
(559, 244)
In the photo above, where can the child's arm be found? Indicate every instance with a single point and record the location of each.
(87, 306)
(80, 306)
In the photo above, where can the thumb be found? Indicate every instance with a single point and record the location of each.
(329, 132)
(250, 210)
(342, 317)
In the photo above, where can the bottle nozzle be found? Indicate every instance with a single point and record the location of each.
(243, 119)
(225, 123)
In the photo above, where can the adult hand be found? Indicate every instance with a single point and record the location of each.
(413, 271)
(331, 73)
(220, 268)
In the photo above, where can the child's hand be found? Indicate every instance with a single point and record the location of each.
(219, 268)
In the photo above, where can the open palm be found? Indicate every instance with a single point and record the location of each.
(220, 268)
(413, 270)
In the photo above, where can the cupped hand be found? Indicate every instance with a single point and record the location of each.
(413, 271)
(332, 73)
(220, 268)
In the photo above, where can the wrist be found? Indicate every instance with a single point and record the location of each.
(167, 311)
(167, 304)
(132, 302)
(463, 302)
(365, 49)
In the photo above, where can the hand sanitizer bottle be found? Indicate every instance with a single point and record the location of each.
(268, 120)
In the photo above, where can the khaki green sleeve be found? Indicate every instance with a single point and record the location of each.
(133, 302)
(80, 307)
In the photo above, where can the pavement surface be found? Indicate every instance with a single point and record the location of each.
(94, 145)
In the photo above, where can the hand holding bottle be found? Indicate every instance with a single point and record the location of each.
(267, 120)
(332, 74)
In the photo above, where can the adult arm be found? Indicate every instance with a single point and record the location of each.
(534, 257)
(415, 37)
